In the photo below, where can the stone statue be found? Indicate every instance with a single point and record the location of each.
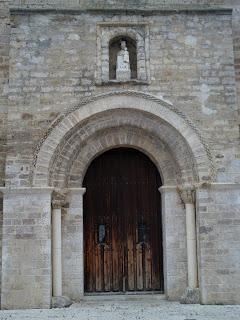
(123, 71)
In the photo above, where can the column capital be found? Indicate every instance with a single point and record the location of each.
(187, 194)
(59, 199)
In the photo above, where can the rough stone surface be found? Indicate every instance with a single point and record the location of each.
(26, 249)
(191, 296)
(50, 55)
(219, 228)
(42, 86)
(131, 309)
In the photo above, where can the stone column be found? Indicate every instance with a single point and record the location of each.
(58, 202)
(57, 251)
(191, 295)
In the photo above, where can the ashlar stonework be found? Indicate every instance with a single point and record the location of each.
(63, 104)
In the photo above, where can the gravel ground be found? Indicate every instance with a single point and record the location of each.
(128, 310)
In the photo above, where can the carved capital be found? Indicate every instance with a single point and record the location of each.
(59, 199)
(187, 195)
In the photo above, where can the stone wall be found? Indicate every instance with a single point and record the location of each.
(41, 122)
(53, 59)
(219, 229)
(53, 66)
(236, 47)
(4, 66)
(26, 265)
(1, 222)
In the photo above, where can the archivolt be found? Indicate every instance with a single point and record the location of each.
(155, 117)
(70, 172)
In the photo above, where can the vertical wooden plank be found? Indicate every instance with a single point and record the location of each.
(115, 258)
(107, 268)
(98, 273)
(148, 267)
(139, 258)
(130, 268)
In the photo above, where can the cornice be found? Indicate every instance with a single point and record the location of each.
(170, 9)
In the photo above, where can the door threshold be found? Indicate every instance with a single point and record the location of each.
(124, 296)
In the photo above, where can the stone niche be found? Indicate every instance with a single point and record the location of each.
(109, 39)
(131, 61)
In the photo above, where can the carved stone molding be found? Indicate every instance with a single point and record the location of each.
(132, 93)
(59, 199)
(26, 190)
(187, 195)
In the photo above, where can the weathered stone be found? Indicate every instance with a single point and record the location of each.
(61, 302)
(188, 53)
(191, 296)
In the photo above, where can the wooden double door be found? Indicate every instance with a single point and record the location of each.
(122, 224)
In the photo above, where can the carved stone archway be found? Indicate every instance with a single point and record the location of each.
(163, 112)
(137, 120)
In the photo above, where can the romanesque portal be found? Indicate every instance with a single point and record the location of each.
(153, 86)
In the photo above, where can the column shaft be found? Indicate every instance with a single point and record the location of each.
(56, 252)
(191, 245)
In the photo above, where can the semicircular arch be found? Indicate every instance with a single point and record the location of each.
(137, 102)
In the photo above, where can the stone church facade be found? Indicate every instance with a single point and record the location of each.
(63, 105)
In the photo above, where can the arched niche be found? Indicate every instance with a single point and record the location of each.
(114, 47)
(106, 35)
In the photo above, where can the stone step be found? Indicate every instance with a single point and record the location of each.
(131, 296)
(128, 310)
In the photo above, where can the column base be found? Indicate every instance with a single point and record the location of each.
(61, 302)
(190, 296)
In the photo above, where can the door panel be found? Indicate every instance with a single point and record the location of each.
(122, 224)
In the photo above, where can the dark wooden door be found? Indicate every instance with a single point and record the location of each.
(122, 224)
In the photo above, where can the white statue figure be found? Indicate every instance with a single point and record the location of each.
(123, 71)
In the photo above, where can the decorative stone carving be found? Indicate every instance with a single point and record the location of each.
(59, 199)
(187, 194)
(123, 72)
(211, 171)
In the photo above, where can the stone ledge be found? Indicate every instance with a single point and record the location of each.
(39, 190)
(26, 190)
(219, 185)
(213, 185)
(117, 82)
